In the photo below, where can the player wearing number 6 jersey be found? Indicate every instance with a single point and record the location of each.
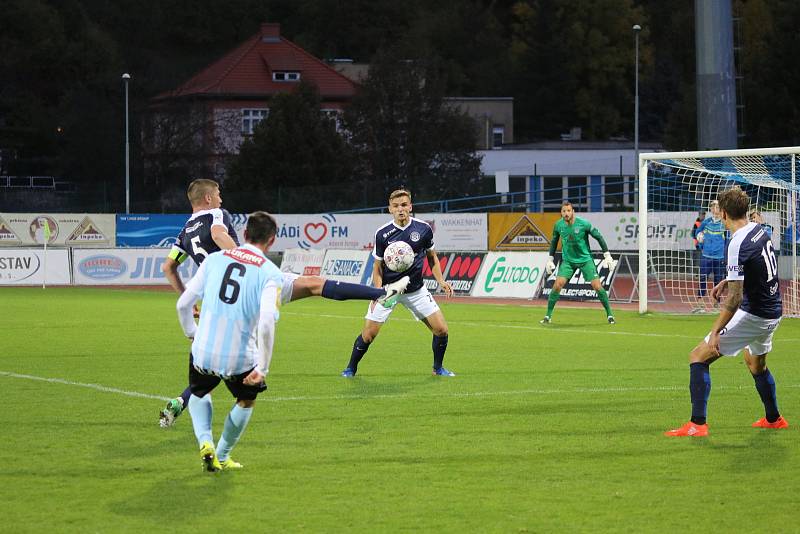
(233, 341)
(574, 232)
(748, 318)
(210, 229)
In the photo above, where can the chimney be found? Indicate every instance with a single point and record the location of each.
(270, 32)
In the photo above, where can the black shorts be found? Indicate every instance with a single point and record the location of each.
(201, 383)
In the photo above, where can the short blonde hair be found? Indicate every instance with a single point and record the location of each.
(400, 193)
(199, 188)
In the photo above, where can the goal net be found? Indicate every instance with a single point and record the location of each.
(676, 191)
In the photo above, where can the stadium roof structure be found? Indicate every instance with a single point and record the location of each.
(249, 72)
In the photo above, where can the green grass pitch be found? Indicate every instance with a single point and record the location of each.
(555, 428)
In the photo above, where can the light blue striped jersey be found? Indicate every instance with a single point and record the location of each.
(231, 283)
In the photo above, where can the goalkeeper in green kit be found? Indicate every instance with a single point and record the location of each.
(574, 234)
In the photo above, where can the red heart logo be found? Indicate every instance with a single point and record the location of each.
(318, 229)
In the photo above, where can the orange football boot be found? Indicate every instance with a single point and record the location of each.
(689, 429)
(763, 423)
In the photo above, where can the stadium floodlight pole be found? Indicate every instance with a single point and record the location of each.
(125, 78)
(636, 30)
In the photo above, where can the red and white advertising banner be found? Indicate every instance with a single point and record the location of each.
(302, 262)
(510, 274)
(460, 270)
(345, 265)
(66, 229)
(26, 266)
(124, 266)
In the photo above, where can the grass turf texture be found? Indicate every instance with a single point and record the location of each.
(545, 428)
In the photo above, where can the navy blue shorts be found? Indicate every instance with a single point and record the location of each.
(201, 383)
(712, 267)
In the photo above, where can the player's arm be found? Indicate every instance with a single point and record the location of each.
(265, 338)
(436, 269)
(377, 273)
(727, 308)
(551, 266)
(700, 234)
(187, 300)
(220, 235)
(608, 261)
(170, 268)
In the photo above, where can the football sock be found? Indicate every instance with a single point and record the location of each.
(439, 347)
(699, 390)
(346, 291)
(234, 427)
(765, 385)
(359, 350)
(551, 302)
(201, 410)
(602, 294)
(185, 396)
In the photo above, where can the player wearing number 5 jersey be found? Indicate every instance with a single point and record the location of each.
(748, 318)
(233, 341)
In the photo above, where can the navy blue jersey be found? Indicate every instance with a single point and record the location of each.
(195, 238)
(419, 235)
(751, 259)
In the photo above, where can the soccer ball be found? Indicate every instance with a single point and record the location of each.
(398, 256)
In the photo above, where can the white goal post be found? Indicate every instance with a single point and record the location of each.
(675, 187)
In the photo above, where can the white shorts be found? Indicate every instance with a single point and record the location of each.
(747, 330)
(420, 303)
(288, 285)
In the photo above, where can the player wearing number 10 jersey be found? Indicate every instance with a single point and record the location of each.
(748, 318)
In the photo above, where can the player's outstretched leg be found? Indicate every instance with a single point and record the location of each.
(235, 424)
(334, 290)
(173, 409)
(699, 390)
(360, 348)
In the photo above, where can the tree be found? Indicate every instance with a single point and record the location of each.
(574, 66)
(295, 159)
(405, 135)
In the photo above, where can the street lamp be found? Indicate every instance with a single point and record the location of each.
(636, 30)
(125, 78)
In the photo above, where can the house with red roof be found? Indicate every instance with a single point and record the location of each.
(217, 108)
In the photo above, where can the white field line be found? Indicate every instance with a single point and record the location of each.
(467, 394)
(611, 330)
(97, 387)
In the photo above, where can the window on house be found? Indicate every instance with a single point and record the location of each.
(250, 118)
(498, 134)
(285, 76)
